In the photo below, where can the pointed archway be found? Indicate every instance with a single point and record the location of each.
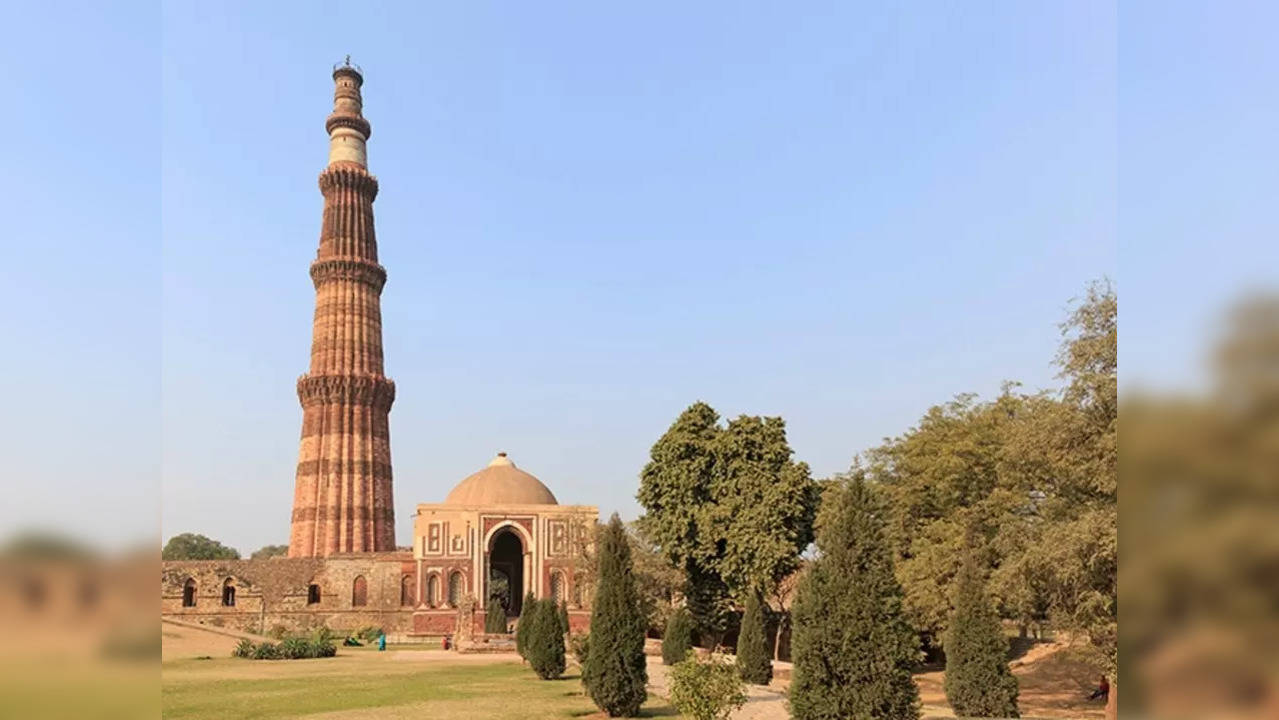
(506, 570)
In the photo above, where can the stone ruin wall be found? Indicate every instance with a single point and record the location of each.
(274, 592)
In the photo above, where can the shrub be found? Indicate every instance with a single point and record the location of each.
(978, 681)
(296, 648)
(678, 638)
(526, 622)
(615, 672)
(494, 617)
(580, 644)
(753, 661)
(705, 690)
(323, 648)
(853, 650)
(266, 651)
(369, 633)
(545, 643)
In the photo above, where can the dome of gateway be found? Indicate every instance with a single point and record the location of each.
(501, 483)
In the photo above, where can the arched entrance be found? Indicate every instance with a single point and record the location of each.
(506, 570)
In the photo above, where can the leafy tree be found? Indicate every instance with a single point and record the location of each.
(190, 546)
(852, 647)
(978, 681)
(941, 477)
(269, 551)
(677, 640)
(707, 690)
(659, 582)
(545, 643)
(753, 659)
(494, 617)
(727, 505)
(764, 506)
(525, 623)
(615, 672)
(675, 489)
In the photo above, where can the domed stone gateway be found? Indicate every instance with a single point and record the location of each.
(499, 533)
(500, 483)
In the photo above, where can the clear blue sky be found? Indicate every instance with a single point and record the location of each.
(590, 218)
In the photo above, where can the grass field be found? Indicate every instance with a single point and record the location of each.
(201, 680)
(363, 683)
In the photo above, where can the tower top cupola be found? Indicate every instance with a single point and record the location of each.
(347, 128)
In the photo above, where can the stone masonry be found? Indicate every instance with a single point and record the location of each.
(342, 499)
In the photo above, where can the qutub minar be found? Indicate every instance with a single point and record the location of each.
(499, 533)
(342, 501)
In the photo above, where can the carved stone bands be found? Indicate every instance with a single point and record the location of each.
(348, 176)
(370, 391)
(369, 273)
(311, 514)
(354, 122)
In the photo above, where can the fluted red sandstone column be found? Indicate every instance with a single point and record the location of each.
(342, 499)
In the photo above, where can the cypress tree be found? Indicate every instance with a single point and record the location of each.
(678, 638)
(852, 647)
(526, 622)
(563, 618)
(494, 617)
(615, 671)
(545, 643)
(978, 681)
(754, 664)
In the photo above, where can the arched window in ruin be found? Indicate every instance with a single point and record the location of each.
(188, 593)
(228, 593)
(457, 586)
(432, 589)
(359, 592)
(313, 594)
(406, 591)
(557, 587)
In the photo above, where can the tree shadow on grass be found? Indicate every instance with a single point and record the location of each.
(660, 711)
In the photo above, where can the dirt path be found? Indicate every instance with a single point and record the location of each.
(761, 703)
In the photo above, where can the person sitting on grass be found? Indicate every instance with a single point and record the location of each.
(1102, 691)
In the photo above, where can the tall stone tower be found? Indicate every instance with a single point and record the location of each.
(342, 500)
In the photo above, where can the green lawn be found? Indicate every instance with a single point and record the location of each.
(359, 684)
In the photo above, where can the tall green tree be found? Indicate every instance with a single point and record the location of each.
(754, 662)
(729, 506)
(191, 546)
(677, 639)
(764, 506)
(675, 490)
(852, 647)
(615, 673)
(544, 646)
(527, 607)
(978, 681)
(494, 617)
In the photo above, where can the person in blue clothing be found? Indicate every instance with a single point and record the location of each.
(381, 641)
